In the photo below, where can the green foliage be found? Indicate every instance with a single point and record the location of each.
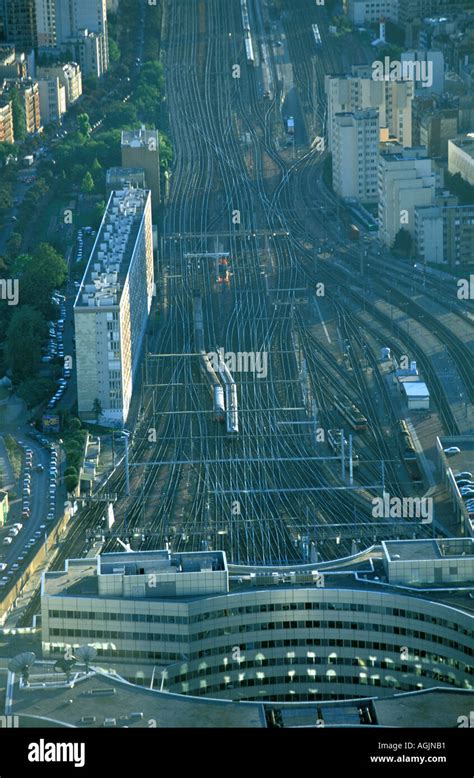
(461, 188)
(18, 111)
(71, 482)
(35, 390)
(166, 152)
(403, 242)
(39, 273)
(25, 332)
(88, 185)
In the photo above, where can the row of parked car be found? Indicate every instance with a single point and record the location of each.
(55, 347)
(14, 568)
(465, 486)
(53, 476)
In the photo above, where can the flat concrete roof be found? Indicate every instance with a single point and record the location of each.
(415, 389)
(164, 708)
(407, 549)
(430, 708)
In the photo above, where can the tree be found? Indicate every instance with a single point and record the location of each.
(23, 342)
(403, 242)
(83, 124)
(35, 390)
(39, 273)
(18, 111)
(87, 185)
(114, 51)
(97, 409)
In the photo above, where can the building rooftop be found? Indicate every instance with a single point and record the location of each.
(108, 265)
(415, 388)
(406, 549)
(49, 701)
(81, 577)
(140, 138)
(466, 143)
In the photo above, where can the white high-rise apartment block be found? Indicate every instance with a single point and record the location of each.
(405, 180)
(80, 25)
(360, 91)
(112, 306)
(354, 155)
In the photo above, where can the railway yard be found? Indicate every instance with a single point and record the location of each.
(243, 451)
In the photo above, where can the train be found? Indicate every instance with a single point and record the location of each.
(317, 35)
(334, 440)
(249, 52)
(205, 364)
(408, 448)
(409, 454)
(220, 381)
(231, 402)
(351, 413)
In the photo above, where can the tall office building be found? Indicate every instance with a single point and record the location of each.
(405, 180)
(141, 149)
(392, 99)
(112, 306)
(20, 23)
(80, 27)
(354, 155)
(215, 630)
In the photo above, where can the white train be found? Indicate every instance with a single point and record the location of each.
(249, 52)
(205, 364)
(231, 401)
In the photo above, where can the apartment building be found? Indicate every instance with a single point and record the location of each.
(370, 11)
(392, 99)
(6, 120)
(437, 129)
(70, 77)
(405, 180)
(217, 630)
(461, 157)
(445, 234)
(141, 149)
(112, 306)
(28, 89)
(354, 155)
(80, 27)
(20, 23)
(52, 99)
